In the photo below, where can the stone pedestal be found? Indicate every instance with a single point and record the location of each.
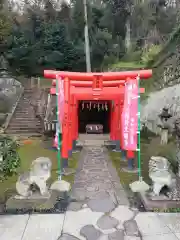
(64, 162)
(130, 163)
(130, 168)
(54, 203)
(158, 203)
(123, 155)
(35, 202)
(74, 150)
(70, 153)
(117, 146)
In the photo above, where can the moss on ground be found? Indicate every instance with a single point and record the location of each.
(30, 152)
(149, 148)
(45, 83)
(127, 65)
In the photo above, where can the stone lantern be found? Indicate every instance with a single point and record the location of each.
(177, 133)
(1, 157)
(165, 115)
(164, 125)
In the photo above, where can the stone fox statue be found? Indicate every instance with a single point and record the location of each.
(40, 172)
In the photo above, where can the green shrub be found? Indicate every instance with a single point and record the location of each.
(149, 55)
(134, 56)
(10, 157)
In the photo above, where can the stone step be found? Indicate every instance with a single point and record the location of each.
(24, 121)
(23, 112)
(18, 112)
(26, 118)
(94, 142)
(11, 130)
(24, 106)
(25, 124)
(23, 132)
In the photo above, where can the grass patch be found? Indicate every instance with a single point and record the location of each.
(30, 152)
(149, 148)
(45, 83)
(126, 65)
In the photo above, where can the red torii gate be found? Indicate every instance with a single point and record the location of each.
(91, 86)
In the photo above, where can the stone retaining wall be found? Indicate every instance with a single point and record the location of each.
(12, 91)
(165, 84)
(166, 66)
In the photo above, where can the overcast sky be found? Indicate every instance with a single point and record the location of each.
(21, 3)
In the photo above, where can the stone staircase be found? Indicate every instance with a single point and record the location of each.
(93, 139)
(24, 121)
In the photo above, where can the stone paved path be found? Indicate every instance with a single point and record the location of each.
(96, 178)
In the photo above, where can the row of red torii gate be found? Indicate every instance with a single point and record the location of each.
(116, 87)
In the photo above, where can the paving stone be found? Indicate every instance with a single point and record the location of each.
(92, 188)
(78, 184)
(150, 222)
(134, 209)
(99, 178)
(81, 178)
(112, 195)
(118, 235)
(122, 198)
(122, 213)
(95, 170)
(108, 231)
(67, 237)
(100, 174)
(75, 206)
(120, 226)
(107, 222)
(100, 195)
(92, 195)
(103, 237)
(131, 228)
(117, 185)
(90, 232)
(79, 195)
(90, 166)
(81, 175)
(132, 238)
(101, 205)
(100, 185)
(74, 221)
(85, 205)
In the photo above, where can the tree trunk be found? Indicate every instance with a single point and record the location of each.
(128, 35)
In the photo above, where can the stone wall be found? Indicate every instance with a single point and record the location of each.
(165, 84)
(166, 66)
(10, 93)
